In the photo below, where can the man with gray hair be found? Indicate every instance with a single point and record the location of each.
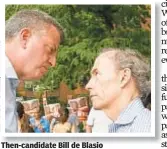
(118, 81)
(32, 41)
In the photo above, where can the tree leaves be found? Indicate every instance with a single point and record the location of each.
(88, 29)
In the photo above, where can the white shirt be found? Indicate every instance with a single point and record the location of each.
(11, 82)
(99, 121)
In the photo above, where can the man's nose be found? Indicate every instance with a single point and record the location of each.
(53, 61)
(89, 85)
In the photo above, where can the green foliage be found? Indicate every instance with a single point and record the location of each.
(88, 29)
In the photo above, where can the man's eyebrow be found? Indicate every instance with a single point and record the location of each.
(53, 49)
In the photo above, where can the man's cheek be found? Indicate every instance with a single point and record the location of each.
(105, 84)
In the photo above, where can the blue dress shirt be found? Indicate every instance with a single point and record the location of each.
(135, 118)
(11, 82)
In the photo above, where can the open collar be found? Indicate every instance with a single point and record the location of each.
(9, 69)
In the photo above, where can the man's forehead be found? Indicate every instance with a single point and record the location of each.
(100, 61)
(103, 60)
(96, 65)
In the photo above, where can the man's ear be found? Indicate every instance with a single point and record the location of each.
(25, 34)
(125, 77)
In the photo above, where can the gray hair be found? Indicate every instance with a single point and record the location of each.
(33, 19)
(138, 64)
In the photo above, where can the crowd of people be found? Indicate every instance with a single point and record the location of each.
(61, 121)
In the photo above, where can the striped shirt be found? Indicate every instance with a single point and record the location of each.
(11, 82)
(135, 118)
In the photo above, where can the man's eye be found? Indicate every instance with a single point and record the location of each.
(50, 50)
(95, 73)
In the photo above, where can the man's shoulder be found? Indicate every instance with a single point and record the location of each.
(142, 122)
(144, 115)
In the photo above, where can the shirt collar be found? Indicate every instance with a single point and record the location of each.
(129, 114)
(9, 69)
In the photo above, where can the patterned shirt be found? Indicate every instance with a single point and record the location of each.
(43, 124)
(135, 118)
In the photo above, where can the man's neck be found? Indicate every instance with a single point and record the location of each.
(121, 103)
(12, 56)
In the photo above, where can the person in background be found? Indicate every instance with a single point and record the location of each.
(63, 126)
(97, 122)
(119, 79)
(32, 39)
(23, 119)
(73, 116)
(39, 123)
(55, 116)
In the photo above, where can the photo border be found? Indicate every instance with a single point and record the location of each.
(151, 134)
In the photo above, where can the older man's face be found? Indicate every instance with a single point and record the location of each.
(40, 53)
(104, 83)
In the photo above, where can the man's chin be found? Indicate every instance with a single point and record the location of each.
(96, 106)
(37, 77)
